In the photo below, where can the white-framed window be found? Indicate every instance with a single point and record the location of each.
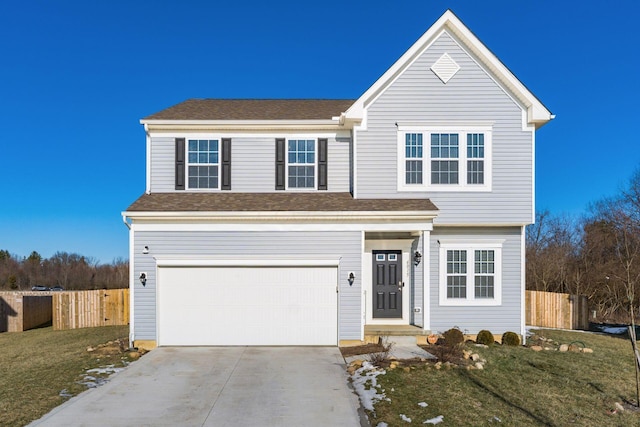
(457, 157)
(301, 163)
(470, 272)
(203, 163)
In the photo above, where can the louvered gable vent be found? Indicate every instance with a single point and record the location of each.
(445, 68)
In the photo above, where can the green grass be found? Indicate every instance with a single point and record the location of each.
(36, 365)
(520, 387)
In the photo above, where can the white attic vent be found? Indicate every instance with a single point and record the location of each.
(445, 68)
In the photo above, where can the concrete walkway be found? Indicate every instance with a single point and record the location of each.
(220, 386)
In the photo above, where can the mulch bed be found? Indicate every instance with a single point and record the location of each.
(361, 349)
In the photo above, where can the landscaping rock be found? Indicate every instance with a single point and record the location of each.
(536, 348)
(134, 355)
(574, 348)
(563, 348)
(90, 349)
(619, 407)
(587, 350)
(438, 365)
(479, 365)
(475, 357)
(406, 369)
(466, 354)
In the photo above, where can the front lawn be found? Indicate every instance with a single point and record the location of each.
(518, 387)
(39, 366)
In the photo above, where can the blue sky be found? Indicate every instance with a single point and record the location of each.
(76, 77)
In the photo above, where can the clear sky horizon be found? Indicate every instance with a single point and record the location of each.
(76, 77)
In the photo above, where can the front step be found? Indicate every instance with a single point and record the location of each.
(405, 334)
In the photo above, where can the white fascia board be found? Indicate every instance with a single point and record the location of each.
(248, 133)
(174, 261)
(481, 224)
(408, 227)
(537, 112)
(159, 125)
(300, 215)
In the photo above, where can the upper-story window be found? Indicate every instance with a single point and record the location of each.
(203, 162)
(301, 163)
(457, 158)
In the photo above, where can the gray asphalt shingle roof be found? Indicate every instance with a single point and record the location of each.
(274, 202)
(254, 109)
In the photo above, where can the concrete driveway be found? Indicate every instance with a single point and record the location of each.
(220, 386)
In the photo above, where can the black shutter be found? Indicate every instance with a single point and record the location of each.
(280, 163)
(180, 172)
(225, 164)
(322, 164)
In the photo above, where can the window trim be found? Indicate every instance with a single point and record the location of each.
(470, 246)
(286, 163)
(187, 163)
(462, 130)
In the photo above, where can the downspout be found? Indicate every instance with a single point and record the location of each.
(148, 154)
(131, 282)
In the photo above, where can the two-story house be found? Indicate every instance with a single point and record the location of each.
(321, 222)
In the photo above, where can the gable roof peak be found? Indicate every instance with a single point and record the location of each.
(537, 113)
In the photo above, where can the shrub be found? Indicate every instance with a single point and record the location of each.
(485, 337)
(510, 338)
(378, 358)
(453, 337)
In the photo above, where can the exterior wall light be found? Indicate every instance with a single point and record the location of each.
(417, 257)
(145, 250)
(351, 278)
(143, 279)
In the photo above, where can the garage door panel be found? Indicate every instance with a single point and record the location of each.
(247, 306)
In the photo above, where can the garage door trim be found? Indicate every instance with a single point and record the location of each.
(245, 262)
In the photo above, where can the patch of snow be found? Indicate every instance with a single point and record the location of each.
(382, 424)
(65, 393)
(91, 381)
(423, 404)
(405, 418)
(436, 420)
(496, 419)
(363, 377)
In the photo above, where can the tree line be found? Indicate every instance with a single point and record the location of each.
(597, 255)
(69, 270)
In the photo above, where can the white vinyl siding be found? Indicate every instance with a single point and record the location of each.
(469, 317)
(338, 245)
(252, 163)
(418, 98)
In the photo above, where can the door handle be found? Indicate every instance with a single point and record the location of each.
(400, 286)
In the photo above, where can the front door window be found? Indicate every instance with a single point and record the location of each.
(387, 284)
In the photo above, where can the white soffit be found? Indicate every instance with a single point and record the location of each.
(445, 68)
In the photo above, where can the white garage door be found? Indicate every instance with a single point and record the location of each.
(247, 306)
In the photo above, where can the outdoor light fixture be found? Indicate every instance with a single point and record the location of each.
(145, 250)
(417, 257)
(352, 278)
(143, 279)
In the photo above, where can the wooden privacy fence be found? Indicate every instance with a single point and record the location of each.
(85, 309)
(21, 311)
(554, 310)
